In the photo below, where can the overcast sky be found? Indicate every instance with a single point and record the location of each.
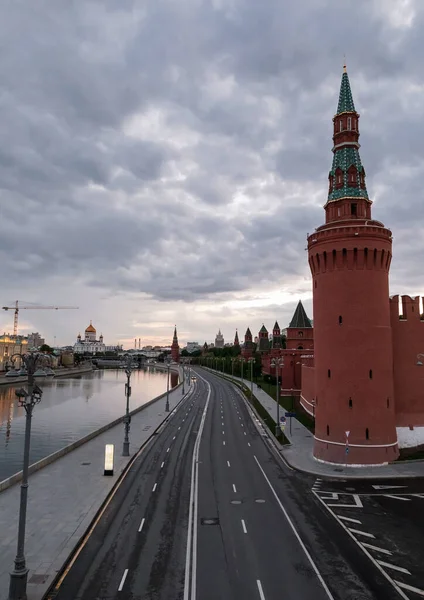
(162, 161)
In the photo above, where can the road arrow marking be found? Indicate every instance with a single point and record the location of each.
(388, 487)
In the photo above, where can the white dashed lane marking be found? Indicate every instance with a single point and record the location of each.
(141, 525)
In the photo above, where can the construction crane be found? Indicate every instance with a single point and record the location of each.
(17, 308)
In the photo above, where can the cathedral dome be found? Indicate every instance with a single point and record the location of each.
(90, 329)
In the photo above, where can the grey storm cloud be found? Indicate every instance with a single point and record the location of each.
(130, 131)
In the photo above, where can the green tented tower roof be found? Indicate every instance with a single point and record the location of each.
(345, 97)
(300, 319)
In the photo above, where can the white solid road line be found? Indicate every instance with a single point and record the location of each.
(394, 567)
(154, 487)
(376, 548)
(359, 532)
(410, 588)
(141, 525)
(191, 552)
(398, 497)
(243, 524)
(228, 463)
(299, 539)
(234, 489)
(124, 576)
(261, 592)
(162, 465)
(350, 520)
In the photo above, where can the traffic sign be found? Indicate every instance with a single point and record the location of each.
(290, 414)
(282, 419)
(347, 433)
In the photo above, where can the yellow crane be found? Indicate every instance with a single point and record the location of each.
(17, 308)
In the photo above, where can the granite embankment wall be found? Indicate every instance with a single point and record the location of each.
(6, 483)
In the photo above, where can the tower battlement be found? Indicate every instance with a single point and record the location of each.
(350, 257)
(410, 308)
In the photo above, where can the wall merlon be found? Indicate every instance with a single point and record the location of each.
(410, 308)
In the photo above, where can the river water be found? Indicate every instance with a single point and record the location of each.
(70, 409)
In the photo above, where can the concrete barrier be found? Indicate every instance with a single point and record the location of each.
(6, 483)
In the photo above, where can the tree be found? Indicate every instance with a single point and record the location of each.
(46, 348)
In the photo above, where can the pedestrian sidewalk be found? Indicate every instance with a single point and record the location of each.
(299, 454)
(64, 497)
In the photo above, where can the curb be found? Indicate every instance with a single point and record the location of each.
(344, 475)
(47, 460)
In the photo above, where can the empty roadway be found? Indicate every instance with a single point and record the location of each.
(209, 511)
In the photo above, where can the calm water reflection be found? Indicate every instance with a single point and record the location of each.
(70, 409)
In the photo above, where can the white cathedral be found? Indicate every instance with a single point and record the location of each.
(90, 344)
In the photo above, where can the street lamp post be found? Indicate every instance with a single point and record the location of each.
(278, 363)
(182, 365)
(167, 389)
(242, 362)
(251, 360)
(127, 418)
(232, 367)
(27, 399)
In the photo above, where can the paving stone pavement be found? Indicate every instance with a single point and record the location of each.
(299, 454)
(63, 498)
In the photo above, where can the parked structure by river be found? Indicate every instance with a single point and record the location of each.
(70, 409)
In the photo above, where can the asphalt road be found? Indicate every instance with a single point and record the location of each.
(210, 511)
(137, 549)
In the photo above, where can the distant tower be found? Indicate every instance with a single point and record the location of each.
(236, 339)
(276, 337)
(139, 343)
(175, 349)
(300, 332)
(247, 351)
(350, 258)
(263, 341)
(219, 340)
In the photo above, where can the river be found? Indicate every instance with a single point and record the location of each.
(70, 409)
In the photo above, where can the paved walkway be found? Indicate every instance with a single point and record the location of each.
(299, 453)
(63, 498)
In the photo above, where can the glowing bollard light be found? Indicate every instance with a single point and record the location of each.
(109, 452)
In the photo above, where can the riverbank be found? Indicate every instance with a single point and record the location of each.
(6, 483)
(65, 497)
(60, 372)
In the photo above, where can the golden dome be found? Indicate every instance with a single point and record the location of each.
(90, 329)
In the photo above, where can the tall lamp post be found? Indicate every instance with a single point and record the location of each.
(251, 360)
(127, 418)
(242, 362)
(182, 365)
(278, 363)
(167, 388)
(28, 399)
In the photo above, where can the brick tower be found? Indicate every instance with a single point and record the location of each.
(349, 258)
(236, 340)
(175, 349)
